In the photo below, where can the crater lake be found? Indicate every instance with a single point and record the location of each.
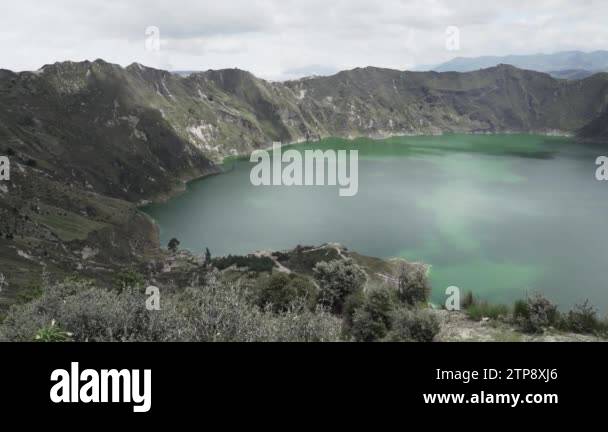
(501, 216)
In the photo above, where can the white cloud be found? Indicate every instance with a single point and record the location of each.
(277, 38)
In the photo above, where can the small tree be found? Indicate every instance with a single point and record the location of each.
(413, 285)
(280, 291)
(207, 256)
(352, 303)
(337, 280)
(173, 245)
(583, 319)
(539, 313)
(372, 320)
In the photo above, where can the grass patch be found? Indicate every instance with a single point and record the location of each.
(68, 226)
(480, 310)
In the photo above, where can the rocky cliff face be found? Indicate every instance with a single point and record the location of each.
(374, 101)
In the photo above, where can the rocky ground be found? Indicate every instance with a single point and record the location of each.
(457, 327)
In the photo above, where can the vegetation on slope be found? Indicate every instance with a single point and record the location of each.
(339, 302)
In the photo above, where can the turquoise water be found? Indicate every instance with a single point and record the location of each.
(498, 215)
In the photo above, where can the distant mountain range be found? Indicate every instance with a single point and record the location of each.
(563, 65)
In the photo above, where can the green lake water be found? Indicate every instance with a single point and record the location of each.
(498, 215)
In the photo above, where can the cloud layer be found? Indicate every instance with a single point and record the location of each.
(282, 39)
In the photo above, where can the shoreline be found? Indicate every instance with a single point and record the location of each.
(187, 179)
(182, 187)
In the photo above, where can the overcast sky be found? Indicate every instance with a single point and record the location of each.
(279, 39)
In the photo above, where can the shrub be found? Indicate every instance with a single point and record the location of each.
(91, 314)
(219, 312)
(413, 325)
(173, 245)
(583, 319)
(365, 328)
(468, 300)
(372, 320)
(353, 302)
(279, 291)
(337, 280)
(124, 279)
(29, 293)
(413, 285)
(305, 290)
(540, 313)
(300, 324)
(214, 311)
(478, 311)
(520, 310)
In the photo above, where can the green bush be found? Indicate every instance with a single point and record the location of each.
(540, 313)
(365, 328)
(279, 291)
(583, 319)
(413, 325)
(29, 293)
(305, 290)
(372, 320)
(125, 279)
(353, 302)
(413, 284)
(337, 280)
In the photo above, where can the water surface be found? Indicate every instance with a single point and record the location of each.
(497, 215)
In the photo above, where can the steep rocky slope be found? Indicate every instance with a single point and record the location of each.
(597, 129)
